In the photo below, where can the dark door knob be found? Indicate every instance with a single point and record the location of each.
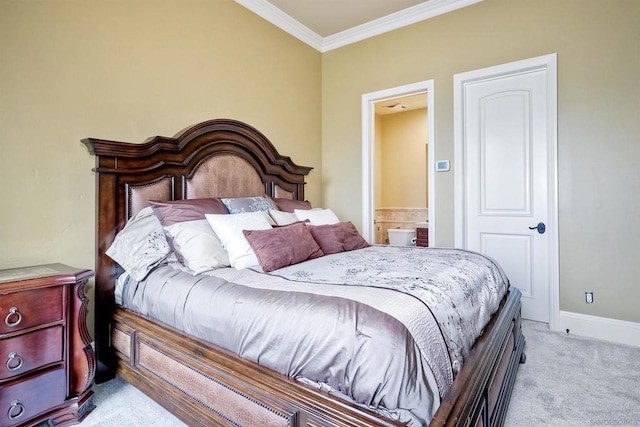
(540, 227)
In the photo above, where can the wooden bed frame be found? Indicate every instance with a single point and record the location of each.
(202, 384)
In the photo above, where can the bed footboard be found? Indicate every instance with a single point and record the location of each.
(203, 385)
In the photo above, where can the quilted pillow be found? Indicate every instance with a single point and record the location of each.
(141, 245)
(198, 245)
(229, 228)
(339, 237)
(174, 212)
(186, 210)
(248, 204)
(283, 246)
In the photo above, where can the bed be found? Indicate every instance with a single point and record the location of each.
(205, 384)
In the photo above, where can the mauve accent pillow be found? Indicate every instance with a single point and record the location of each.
(283, 246)
(170, 213)
(339, 237)
(288, 205)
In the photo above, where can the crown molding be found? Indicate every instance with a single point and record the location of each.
(402, 18)
(408, 16)
(285, 22)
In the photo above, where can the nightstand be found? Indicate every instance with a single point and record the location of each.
(47, 363)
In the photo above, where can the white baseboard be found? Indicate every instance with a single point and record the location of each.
(602, 328)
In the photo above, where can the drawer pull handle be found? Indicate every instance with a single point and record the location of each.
(16, 410)
(10, 362)
(13, 313)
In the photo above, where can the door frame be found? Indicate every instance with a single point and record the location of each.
(548, 63)
(368, 152)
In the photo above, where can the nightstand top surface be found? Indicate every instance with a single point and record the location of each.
(36, 271)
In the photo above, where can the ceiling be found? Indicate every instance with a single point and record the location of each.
(330, 24)
(399, 105)
(328, 17)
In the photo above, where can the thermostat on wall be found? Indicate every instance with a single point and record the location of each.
(442, 165)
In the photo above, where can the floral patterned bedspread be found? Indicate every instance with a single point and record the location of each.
(461, 288)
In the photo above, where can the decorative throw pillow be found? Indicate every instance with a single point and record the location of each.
(186, 210)
(283, 218)
(283, 246)
(288, 205)
(340, 237)
(198, 246)
(248, 204)
(229, 228)
(141, 245)
(317, 216)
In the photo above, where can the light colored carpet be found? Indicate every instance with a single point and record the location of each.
(567, 381)
(119, 404)
(574, 381)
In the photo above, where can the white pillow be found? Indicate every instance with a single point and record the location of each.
(141, 245)
(228, 228)
(283, 218)
(199, 246)
(317, 216)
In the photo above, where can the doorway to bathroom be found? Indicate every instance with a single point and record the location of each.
(398, 179)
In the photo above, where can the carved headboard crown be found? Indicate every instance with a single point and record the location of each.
(216, 158)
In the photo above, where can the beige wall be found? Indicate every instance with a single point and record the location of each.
(126, 70)
(403, 168)
(598, 124)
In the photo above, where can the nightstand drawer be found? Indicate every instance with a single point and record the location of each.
(20, 310)
(25, 399)
(30, 351)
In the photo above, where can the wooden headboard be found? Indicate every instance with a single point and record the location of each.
(216, 158)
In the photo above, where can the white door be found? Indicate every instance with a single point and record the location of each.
(505, 177)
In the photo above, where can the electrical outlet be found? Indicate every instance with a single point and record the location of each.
(588, 297)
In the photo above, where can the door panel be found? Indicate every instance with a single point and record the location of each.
(518, 249)
(505, 179)
(505, 147)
